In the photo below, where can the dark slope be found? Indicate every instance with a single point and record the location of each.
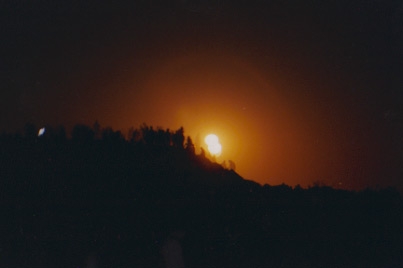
(110, 201)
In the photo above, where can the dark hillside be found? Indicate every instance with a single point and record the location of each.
(100, 198)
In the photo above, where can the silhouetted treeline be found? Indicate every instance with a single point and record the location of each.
(97, 196)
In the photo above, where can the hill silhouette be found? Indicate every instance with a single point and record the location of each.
(98, 199)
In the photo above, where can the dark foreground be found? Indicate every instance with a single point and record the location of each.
(110, 202)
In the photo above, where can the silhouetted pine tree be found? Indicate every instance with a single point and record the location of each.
(189, 146)
(178, 138)
(82, 134)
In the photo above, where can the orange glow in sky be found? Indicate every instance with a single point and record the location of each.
(273, 133)
(225, 95)
(290, 101)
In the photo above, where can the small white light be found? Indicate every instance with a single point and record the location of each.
(41, 132)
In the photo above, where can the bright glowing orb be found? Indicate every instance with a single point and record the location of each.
(213, 144)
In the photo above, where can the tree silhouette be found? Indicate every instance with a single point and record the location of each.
(60, 135)
(202, 153)
(82, 134)
(163, 138)
(134, 135)
(120, 199)
(148, 135)
(178, 138)
(30, 131)
(108, 134)
(231, 165)
(189, 146)
(97, 130)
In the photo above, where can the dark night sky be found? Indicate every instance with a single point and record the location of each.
(298, 91)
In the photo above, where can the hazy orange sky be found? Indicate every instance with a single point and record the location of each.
(297, 93)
